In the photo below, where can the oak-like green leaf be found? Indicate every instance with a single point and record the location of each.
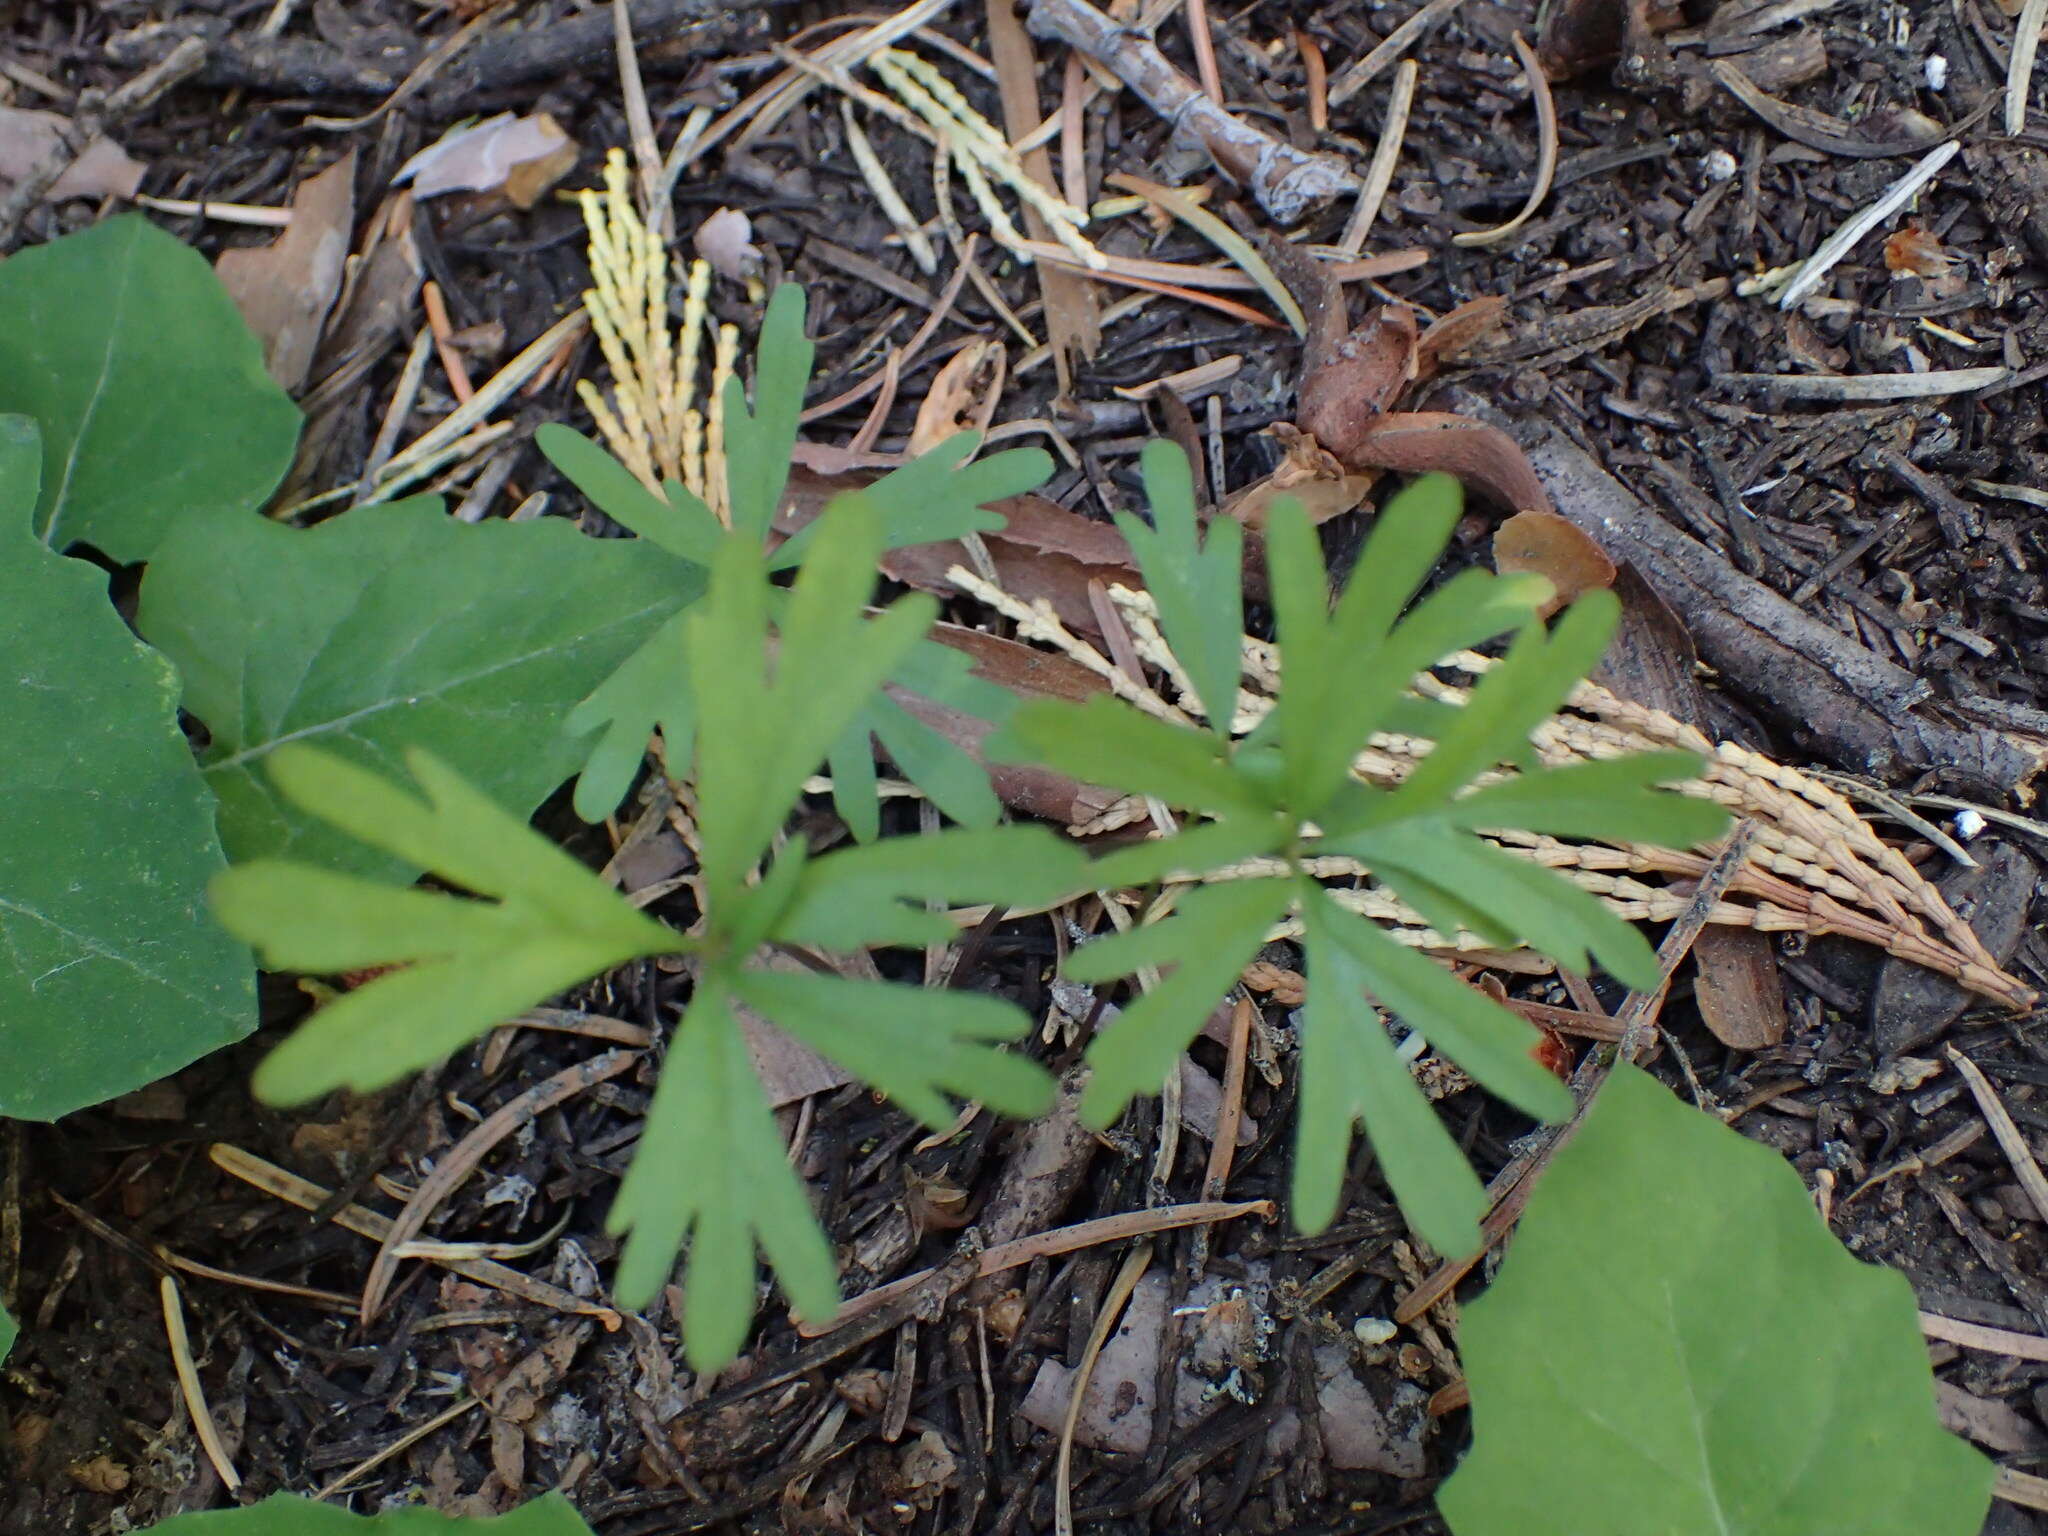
(149, 388)
(287, 1514)
(1676, 1344)
(392, 627)
(463, 966)
(111, 973)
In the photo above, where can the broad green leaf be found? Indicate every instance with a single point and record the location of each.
(150, 391)
(111, 973)
(844, 895)
(1198, 585)
(1462, 1022)
(1677, 1345)
(937, 497)
(759, 442)
(8, 1333)
(1106, 741)
(391, 627)
(680, 523)
(1350, 1073)
(1612, 799)
(1212, 935)
(711, 1167)
(287, 1514)
(915, 1044)
(464, 965)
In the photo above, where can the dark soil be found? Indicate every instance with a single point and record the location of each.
(98, 1439)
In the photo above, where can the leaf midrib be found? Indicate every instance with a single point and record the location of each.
(345, 723)
(92, 405)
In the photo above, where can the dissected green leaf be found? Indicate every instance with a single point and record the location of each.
(1198, 584)
(1105, 741)
(711, 1167)
(1214, 932)
(8, 1333)
(149, 388)
(938, 495)
(848, 899)
(391, 627)
(1503, 899)
(464, 965)
(679, 523)
(759, 442)
(1474, 1031)
(287, 1514)
(111, 975)
(761, 736)
(915, 1044)
(649, 691)
(1350, 1073)
(1613, 799)
(1676, 1344)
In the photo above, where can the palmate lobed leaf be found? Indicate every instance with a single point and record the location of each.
(1212, 935)
(466, 965)
(287, 1514)
(916, 1045)
(1197, 583)
(711, 1169)
(1676, 1344)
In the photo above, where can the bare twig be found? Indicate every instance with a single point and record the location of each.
(1287, 182)
(1807, 278)
(1134, 1266)
(2019, 76)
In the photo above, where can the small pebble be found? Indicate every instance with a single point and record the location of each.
(1937, 71)
(1373, 1330)
(1967, 824)
(1719, 165)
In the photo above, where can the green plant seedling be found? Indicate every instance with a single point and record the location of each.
(286, 1514)
(778, 676)
(392, 627)
(1285, 791)
(151, 393)
(110, 973)
(936, 497)
(1676, 1344)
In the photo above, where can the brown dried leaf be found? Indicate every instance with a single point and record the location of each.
(285, 289)
(1484, 457)
(1913, 250)
(29, 139)
(483, 157)
(1343, 394)
(1309, 473)
(1555, 548)
(963, 396)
